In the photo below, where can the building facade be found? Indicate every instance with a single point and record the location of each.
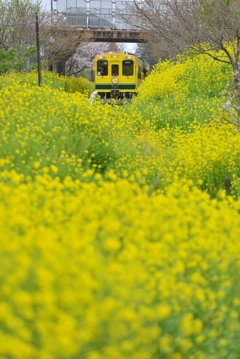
(97, 14)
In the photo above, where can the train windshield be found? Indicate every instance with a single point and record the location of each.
(115, 70)
(102, 68)
(127, 68)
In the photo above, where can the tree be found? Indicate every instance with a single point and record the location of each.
(18, 32)
(17, 20)
(144, 50)
(208, 27)
(12, 60)
(60, 43)
(85, 54)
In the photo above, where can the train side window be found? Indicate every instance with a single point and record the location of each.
(127, 67)
(115, 70)
(102, 68)
(139, 73)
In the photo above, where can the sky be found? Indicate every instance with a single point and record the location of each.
(46, 4)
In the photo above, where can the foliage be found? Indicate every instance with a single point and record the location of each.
(209, 27)
(118, 237)
(13, 60)
(51, 80)
(81, 85)
(105, 272)
(185, 78)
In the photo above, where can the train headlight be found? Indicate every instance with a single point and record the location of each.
(115, 80)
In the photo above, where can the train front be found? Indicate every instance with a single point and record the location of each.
(115, 75)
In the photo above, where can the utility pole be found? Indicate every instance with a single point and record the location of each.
(38, 52)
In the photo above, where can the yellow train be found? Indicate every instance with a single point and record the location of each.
(118, 75)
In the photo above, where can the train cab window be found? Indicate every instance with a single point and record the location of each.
(127, 67)
(115, 70)
(102, 68)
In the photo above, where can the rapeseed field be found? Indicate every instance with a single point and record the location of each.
(118, 235)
